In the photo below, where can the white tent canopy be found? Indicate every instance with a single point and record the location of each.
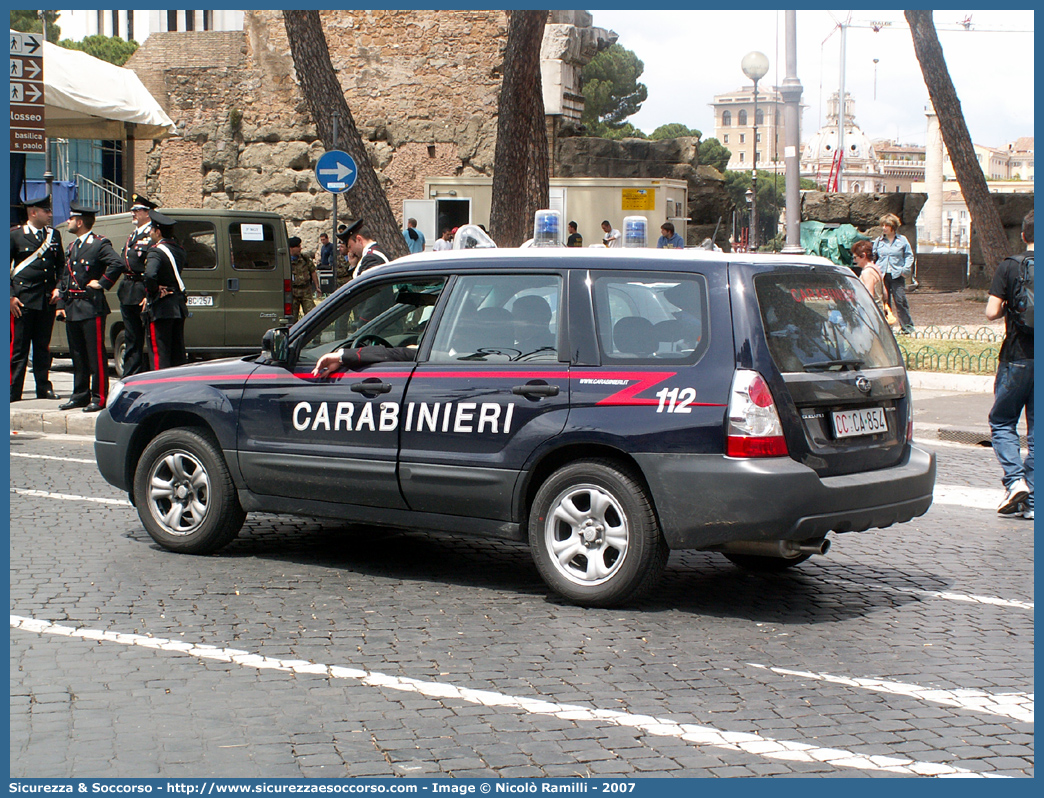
(87, 98)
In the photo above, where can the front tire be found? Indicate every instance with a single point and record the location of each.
(184, 494)
(594, 536)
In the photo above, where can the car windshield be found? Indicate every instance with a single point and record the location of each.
(823, 322)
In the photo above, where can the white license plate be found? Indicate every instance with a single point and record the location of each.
(868, 421)
(200, 301)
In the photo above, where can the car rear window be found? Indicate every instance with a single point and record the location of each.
(823, 322)
(651, 317)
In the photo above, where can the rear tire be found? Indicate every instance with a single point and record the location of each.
(766, 565)
(184, 494)
(594, 536)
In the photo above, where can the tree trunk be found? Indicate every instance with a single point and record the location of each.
(324, 96)
(520, 164)
(970, 177)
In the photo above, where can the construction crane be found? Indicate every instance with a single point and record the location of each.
(965, 25)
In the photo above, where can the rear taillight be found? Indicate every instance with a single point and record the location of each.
(909, 418)
(754, 429)
(288, 303)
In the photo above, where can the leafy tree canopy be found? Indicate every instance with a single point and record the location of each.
(713, 153)
(611, 89)
(30, 22)
(625, 131)
(673, 130)
(108, 48)
(772, 197)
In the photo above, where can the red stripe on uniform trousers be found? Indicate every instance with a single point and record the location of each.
(155, 347)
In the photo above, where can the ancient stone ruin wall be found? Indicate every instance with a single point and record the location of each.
(422, 88)
(864, 211)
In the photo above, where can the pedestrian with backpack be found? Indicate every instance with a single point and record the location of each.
(1011, 296)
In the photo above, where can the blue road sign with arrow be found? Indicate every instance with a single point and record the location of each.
(336, 171)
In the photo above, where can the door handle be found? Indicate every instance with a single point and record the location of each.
(538, 390)
(371, 387)
(233, 283)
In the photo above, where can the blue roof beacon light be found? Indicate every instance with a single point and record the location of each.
(636, 232)
(547, 229)
(471, 236)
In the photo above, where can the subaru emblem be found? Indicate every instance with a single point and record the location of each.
(863, 384)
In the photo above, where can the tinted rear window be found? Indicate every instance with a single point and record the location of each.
(823, 322)
(650, 317)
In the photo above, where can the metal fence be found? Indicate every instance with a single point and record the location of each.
(959, 333)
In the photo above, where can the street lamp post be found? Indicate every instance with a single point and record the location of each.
(749, 195)
(755, 66)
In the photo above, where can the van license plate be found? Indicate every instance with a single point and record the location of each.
(868, 421)
(199, 301)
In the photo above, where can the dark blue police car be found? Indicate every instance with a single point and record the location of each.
(608, 407)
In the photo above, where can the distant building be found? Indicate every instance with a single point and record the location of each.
(139, 25)
(1020, 165)
(734, 128)
(899, 165)
(860, 169)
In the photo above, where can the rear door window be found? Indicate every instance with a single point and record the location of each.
(252, 245)
(651, 317)
(822, 323)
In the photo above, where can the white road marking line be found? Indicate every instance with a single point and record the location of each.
(941, 594)
(52, 457)
(972, 498)
(43, 494)
(746, 742)
(1017, 706)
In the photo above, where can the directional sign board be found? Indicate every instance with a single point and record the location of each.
(27, 93)
(336, 171)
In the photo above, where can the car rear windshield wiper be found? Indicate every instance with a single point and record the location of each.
(833, 365)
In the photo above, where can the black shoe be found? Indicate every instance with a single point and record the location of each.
(93, 407)
(71, 405)
(48, 395)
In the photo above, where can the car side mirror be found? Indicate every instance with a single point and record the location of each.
(274, 344)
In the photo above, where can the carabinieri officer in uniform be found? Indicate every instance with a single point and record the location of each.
(37, 261)
(167, 305)
(92, 266)
(132, 288)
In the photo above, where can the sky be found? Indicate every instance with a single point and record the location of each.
(690, 56)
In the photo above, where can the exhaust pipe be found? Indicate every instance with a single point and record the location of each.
(785, 549)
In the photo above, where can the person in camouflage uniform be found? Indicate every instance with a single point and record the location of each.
(305, 279)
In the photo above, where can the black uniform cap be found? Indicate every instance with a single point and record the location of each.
(42, 202)
(158, 218)
(79, 209)
(140, 202)
(293, 241)
(351, 227)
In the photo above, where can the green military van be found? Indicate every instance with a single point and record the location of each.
(237, 277)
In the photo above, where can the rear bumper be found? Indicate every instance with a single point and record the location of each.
(706, 500)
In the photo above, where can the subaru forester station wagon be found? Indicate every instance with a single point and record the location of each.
(606, 407)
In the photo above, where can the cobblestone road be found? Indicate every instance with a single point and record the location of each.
(311, 649)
